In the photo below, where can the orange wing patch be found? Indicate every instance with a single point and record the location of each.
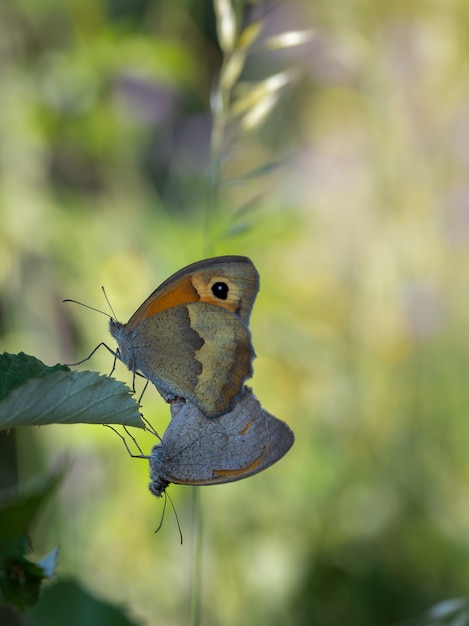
(163, 299)
(203, 286)
(238, 473)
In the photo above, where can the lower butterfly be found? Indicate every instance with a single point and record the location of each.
(197, 451)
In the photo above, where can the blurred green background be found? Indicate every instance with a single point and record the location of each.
(113, 173)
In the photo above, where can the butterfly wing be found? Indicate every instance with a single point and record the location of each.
(190, 337)
(195, 283)
(197, 451)
(197, 351)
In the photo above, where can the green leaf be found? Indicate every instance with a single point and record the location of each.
(17, 369)
(61, 396)
(20, 578)
(20, 582)
(17, 510)
(258, 172)
(67, 602)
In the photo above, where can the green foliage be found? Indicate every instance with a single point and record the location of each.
(16, 370)
(20, 578)
(68, 602)
(35, 395)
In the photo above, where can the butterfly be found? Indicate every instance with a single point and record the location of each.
(191, 338)
(198, 451)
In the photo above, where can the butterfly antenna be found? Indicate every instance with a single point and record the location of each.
(157, 530)
(108, 303)
(87, 306)
(92, 308)
(167, 496)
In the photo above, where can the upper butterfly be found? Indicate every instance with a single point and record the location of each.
(190, 337)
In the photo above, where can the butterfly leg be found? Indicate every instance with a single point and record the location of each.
(135, 456)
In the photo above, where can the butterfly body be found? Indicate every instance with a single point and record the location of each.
(190, 338)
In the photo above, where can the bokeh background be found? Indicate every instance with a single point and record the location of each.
(336, 157)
